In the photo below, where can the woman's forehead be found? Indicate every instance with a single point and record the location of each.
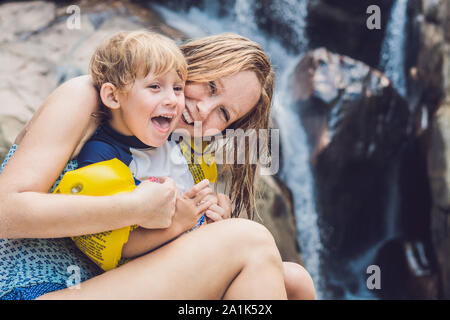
(241, 91)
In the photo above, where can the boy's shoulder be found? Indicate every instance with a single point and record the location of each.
(102, 147)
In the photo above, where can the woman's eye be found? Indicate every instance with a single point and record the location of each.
(212, 87)
(225, 113)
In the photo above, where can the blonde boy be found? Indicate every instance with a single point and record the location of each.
(140, 77)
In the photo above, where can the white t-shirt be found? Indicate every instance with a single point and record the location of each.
(166, 160)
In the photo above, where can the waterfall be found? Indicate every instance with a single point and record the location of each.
(297, 175)
(296, 170)
(392, 60)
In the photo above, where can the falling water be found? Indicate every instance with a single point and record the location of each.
(296, 171)
(297, 175)
(392, 60)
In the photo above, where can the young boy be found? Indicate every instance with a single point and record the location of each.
(140, 78)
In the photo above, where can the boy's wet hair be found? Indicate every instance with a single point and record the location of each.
(127, 55)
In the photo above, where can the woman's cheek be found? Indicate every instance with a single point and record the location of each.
(212, 127)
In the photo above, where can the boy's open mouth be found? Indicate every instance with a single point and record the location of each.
(162, 122)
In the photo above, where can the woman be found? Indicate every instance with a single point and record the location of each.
(242, 254)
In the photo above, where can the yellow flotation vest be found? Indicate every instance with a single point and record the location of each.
(113, 177)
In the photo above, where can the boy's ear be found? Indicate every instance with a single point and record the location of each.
(109, 95)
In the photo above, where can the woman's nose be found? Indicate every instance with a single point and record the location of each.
(204, 108)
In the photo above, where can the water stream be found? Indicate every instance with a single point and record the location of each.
(392, 59)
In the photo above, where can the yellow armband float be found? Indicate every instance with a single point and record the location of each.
(100, 179)
(113, 177)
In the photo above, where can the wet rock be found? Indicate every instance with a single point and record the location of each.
(431, 65)
(348, 107)
(340, 26)
(20, 19)
(432, 11)
(406, 271)
(439, 174)
(275, 209)
(356, 125)
(433, 91)
(38, 51)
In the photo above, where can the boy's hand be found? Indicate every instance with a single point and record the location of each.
(191, 205)
(155, 203)
(220, 210)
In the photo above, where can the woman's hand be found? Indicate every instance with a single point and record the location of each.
(155, 203)
(220, 210)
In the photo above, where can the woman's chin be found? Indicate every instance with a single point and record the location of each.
(184, 128)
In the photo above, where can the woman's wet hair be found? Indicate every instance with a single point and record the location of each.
(211, 58)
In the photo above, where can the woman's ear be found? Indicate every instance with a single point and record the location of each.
(109, 95)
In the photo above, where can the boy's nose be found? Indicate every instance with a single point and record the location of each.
(171, 99)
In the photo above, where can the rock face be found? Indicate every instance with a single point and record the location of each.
(343, 100)
(38, 51)
(340, 26)
(439, 173)
(356, 123)
(432, 97)
(407, 271)
(431, 28)
(275, 209)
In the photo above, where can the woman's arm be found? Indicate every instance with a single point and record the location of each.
(51, 137)
(40, 215)
(43, 215)
(27, 211)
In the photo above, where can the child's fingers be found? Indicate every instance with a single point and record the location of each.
(225, 203)
(203, 194)
(211, 198)
(214, 216)
(216, 213)
(217, 209)
(202, 207)
(192, 192)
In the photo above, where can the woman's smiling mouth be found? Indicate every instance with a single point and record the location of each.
(186, 117)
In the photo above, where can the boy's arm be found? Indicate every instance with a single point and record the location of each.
(189, 208)
(144, 240)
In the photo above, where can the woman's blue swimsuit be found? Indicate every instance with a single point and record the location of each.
(30, 268)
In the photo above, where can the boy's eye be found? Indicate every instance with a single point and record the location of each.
(178, 88)
(154, 86)
(212, 87)
(225, 113)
